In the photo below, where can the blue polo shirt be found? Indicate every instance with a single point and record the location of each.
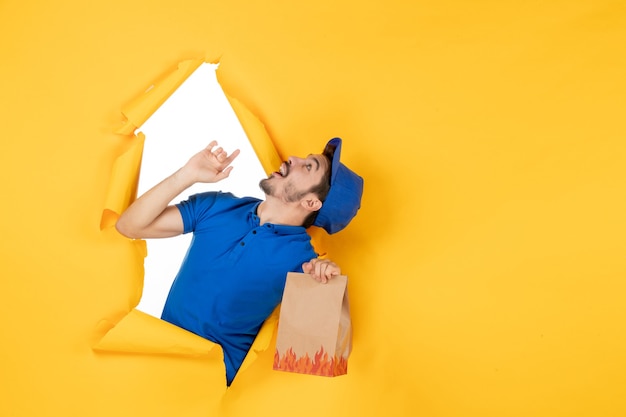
(234, 272)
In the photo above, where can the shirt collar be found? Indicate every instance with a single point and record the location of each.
(280, 229)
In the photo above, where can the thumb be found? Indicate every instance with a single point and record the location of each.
(224, 174)
(307, 267)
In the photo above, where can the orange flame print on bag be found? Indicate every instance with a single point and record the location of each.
(320, 365)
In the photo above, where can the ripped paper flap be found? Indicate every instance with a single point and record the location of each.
(139, 332)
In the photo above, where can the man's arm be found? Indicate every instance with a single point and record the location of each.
(151, 216)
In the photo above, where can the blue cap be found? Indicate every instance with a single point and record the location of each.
(344, 197)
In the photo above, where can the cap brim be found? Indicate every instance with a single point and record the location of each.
(333, 149)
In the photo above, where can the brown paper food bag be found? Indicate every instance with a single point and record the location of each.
(314, 328)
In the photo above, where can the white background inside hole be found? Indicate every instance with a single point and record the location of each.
(196, 113)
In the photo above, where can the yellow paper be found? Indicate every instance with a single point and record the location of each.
(491, 139)
(137, 111)
(122, 189)
(139, 332)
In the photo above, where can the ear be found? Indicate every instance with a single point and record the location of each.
(311, 204)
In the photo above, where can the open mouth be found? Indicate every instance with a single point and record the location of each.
(283, 171)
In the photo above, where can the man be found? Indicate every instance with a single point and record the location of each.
(233, 275)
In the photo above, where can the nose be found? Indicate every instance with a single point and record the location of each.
(294, 160)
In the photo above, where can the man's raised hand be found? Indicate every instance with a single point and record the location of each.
(211, 164)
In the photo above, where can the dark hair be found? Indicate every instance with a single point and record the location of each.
(321, 190)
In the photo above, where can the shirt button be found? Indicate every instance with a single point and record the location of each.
(243, 243)
(254, 232)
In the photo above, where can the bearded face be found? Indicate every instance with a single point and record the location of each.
(295, 177)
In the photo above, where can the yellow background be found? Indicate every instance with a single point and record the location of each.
(486, 266)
